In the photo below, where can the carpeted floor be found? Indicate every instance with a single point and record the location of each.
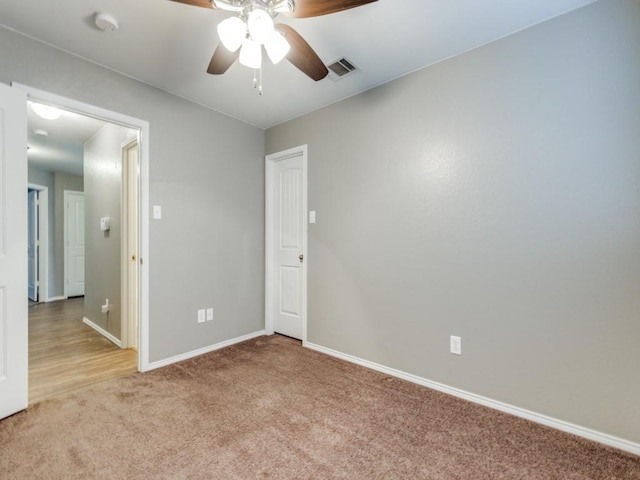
(270, 409)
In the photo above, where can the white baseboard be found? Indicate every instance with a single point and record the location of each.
(587, 433)
(102, 332)
(202, 351)
(55, 299)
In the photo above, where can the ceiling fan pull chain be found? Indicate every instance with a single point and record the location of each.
(260, 86)
(255, 78)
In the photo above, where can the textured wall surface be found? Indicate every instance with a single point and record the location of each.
(103, 198)
(494, 196)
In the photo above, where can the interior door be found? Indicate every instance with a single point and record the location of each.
(32, 244)
(74, 259)
(132, 294)
(13, 252)
(288, 225)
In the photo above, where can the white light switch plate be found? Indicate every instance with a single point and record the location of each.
(157, 212)
(312, 216)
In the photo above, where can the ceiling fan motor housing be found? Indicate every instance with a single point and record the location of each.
(244, 7)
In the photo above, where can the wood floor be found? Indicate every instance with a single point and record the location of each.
(66, 355)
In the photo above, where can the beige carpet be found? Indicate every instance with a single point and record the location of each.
(269, 409)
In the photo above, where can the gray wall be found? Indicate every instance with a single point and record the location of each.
(103, 194)
(495, 196)
(45, 179)
(62, 182)
(207, 172)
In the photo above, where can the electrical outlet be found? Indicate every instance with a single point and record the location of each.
(455, 345)
(201, 315)
(209, 314)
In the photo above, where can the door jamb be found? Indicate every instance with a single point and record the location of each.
(270, 161)
(142, 126)
(43, 241)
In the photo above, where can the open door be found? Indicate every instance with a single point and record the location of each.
(13, 254)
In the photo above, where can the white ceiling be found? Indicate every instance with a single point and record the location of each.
(62, 148)
(169, 45)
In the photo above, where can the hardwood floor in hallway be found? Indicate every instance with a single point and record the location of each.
(66, 355)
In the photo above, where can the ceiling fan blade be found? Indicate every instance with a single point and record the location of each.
(302, 55)
(315, 8)
(221, 61)
(196, 3)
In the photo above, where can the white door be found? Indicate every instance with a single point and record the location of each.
(288, 244)
(74, 252)
(131, 281)
(32, 244)
(13, 254)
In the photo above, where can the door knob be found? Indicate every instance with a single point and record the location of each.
(133, 257)
(301, 257)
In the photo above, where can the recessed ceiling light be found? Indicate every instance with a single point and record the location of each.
(46, 111)
(106, 22)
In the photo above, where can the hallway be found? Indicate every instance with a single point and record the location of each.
(66, 355)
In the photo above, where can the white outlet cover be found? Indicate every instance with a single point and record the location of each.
(201, 316)
(455, 345)
(209, 314)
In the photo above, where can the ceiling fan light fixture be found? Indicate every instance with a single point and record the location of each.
(283, 6)
(228, 5)
(276, 46)
(251, 54)
(232, 33)
(260, 25)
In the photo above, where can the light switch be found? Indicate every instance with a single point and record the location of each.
(157, 212)
(312, 216)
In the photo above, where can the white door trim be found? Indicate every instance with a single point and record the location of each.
(143, 158)
(43, 241)
(130, 268)
(65, 239)
(270, 161)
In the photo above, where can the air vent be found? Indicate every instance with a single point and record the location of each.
(341, 68)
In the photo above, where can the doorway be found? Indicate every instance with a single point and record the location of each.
(286, 243)
(136, 307)
(37, 242)
(74, 243)
(33, 240)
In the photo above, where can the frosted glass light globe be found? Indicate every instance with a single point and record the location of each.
(260, 25)
(232, 33)
(251, 54)
(277, 46)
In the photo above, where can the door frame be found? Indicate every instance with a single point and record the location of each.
(33, 223)
(130, 235)
(142, 126)
(43, 240)
(270, 161)
(65, 238)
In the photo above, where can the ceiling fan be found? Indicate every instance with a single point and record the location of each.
(243, 36)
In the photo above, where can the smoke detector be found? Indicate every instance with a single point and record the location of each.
(106, 22)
